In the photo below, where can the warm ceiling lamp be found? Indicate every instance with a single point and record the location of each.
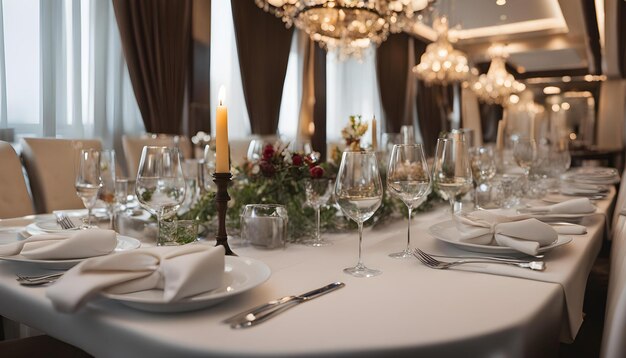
(441, 63)
(497, 85)
(350, 26)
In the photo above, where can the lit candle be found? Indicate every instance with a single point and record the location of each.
(222, 163)
(374, 138)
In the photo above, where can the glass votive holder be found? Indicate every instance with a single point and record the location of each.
(264, 225)
(507, 190)
(177, 232)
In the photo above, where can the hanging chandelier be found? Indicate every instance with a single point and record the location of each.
(497, 85)
(441, 63)
(350, 26)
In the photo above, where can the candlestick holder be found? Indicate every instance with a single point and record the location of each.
(221, 199)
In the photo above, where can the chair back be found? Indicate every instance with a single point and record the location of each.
(51, 165)
(133, 146)
(613, 342)
(14, 198)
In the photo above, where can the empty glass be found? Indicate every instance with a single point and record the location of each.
(88, 180)
(121, 193)
(160, 185)
(525, 153)
(452, 173)
(408, 178)
(408, 134)
(483, 164)
(317, 194)
(264, 225)
(359, 192)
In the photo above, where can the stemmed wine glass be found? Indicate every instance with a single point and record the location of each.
(107, 191)
(359, 192)
(88, 180)
(525, 154)
(409, 179)
(160, 185)
(318, 192)
(452, 173)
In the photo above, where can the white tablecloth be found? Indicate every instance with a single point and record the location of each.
(409, 310)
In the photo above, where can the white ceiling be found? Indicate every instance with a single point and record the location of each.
(540, 35)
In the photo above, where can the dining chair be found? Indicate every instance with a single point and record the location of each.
(613, 343)
(133, 145)
(51, 165)
(14, 198)
(620, 203)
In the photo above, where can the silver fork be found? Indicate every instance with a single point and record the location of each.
(38, 279)
(436, 264)
(65, 222)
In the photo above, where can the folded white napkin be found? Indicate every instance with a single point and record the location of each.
(573, 206)
(72, 245)
(569, 229)
(180, 272)
(517, 232)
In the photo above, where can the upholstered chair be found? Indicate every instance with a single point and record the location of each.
(133, 145)
(51, 165)
(14, 198)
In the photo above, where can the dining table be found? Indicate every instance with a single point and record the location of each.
(482, 310)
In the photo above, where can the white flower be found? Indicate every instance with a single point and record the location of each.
(288, 159)
(256, 169)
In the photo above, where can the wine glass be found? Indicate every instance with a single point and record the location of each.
(525, 154)
(408, 178)
(359, 192)
(160, 185)
(318, 192)
(121, 193)
(107, 191)
(88, 180)
(452, 173)
(483, 164)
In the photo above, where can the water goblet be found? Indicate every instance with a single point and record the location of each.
(525, 154)
(318, 192)
(88, 180)
(359, 192)
(408, 178)
(452, 173)
(160, 185)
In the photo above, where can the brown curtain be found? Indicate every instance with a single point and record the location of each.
(393, 72)
(155, 38)
(318, 141)
(434, 102)
(200, 68)
(263, 45)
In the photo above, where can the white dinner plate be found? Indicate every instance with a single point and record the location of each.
(124, 243)
(447, 231)
(51, 226)
(240, 275)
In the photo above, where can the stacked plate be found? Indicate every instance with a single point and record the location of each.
(589, 181)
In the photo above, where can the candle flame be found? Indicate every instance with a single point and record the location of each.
(221, 95)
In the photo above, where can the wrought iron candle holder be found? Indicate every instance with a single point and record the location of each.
(221, 199)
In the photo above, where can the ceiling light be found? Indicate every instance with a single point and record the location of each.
(551, 90)
(501, 2)
(514, 98)
(566, 79)
(347, 25)
(588, 78)
(555, 107)
(565, 106)
(497, 85)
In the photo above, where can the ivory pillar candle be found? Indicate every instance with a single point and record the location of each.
(222, 160)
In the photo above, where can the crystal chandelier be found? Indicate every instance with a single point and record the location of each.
(441, 63)
(349, 26)
(497, 85)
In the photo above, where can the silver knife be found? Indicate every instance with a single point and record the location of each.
(264, 312)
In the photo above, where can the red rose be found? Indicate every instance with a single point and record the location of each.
(267, 169)
(296, 159)
(316, 172)
(268, 152)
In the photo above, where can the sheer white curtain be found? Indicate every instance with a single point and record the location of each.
(225, 70)
(64, 73)
(351, 88)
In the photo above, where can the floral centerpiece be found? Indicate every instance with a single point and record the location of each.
(277, 177)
